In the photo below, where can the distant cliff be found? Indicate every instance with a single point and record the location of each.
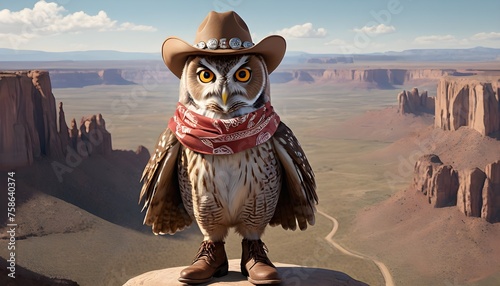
(476, 193)
(81, 78)
(383, 78)
(331, 60)
(29, 125)
(468, 101)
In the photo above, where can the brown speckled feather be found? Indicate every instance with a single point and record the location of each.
(160, 192)
(297, 200)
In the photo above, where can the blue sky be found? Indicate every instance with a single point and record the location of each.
(329, 26)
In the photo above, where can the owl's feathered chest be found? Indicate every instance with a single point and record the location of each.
(230, 187)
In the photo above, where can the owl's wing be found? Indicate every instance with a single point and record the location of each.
(297, 200)
(160, 192)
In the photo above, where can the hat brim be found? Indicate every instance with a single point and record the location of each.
(175, 52)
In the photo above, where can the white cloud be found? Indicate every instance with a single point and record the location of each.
(376, 29)
(336, 42)
(46, 19)
(127, 26)
(434, 39)
(486, 36)
(340, 46)
(303, 31)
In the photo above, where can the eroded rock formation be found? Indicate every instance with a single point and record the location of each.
(437, 181)
(64, 132)
(468, 101)
(474, 192)
(415, 103)
(491, 193)
(93, 134)
(469, 198)
(29, 125)
(81, 78)
(383, 78)
(113, 77)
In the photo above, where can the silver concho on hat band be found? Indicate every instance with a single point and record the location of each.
(222, 43)
(235, 43)
(200, 45)
(247, 44)
(212, 44)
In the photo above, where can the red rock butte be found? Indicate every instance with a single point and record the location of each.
(471, 101)
(29, 125)
(463, 102)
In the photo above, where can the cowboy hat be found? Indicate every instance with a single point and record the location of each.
(222, 34)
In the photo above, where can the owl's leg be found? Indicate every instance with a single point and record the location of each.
(213, 233)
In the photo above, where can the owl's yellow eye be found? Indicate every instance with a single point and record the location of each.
(243, 75)
(206, 76)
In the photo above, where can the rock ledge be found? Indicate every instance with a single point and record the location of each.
(290, 274)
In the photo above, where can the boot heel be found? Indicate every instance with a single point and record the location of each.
(223, 270)
(244, 271)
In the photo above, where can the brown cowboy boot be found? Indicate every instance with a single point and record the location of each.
(255, 264)
(211, 261)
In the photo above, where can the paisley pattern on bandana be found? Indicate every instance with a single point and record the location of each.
(223, 136)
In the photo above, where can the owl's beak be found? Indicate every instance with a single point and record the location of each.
(224, 96)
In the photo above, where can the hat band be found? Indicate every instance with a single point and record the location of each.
(222, 43)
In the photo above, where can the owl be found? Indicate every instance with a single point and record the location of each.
(226, 161)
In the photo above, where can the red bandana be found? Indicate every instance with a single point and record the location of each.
(223, 136)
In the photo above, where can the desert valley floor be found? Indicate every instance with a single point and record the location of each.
(361, 149)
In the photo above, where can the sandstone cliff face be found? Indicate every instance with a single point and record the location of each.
(474, 192)
(468, 101)
(113, 77)
(28, 121)
(469, 197)
(491, 193)
(415, 103)
(383, 78)
(28, 124)
(426, 74)
(79, 78)
(437, 181)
